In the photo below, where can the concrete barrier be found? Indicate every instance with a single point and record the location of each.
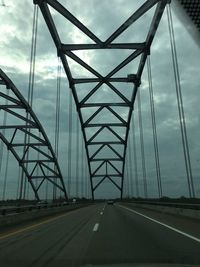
(17, 218)
(190, 213)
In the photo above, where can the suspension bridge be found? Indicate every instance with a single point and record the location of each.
(99, 112)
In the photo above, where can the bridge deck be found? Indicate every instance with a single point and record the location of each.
(102, 234)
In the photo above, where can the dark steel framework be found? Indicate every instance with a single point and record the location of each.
(104, 168)
(35, 156)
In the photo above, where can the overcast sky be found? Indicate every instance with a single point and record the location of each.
(103, 18)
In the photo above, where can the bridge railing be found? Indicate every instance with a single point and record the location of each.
(169, 204)
(19, 209)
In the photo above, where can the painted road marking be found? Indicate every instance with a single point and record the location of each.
(96, 226)
(35, 225)
(163, 224)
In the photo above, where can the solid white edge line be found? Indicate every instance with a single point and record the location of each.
(163, 224)
(96, 226)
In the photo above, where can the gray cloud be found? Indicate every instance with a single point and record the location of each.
(103, 17)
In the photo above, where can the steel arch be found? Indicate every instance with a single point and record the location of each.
(106, 169)
(24, 122)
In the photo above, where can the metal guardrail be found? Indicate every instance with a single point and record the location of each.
(18, 209)
(170, 204)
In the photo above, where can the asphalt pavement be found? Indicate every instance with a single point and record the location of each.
(102, 234)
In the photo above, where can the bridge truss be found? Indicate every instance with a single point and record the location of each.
(105, 141)
(25, 137)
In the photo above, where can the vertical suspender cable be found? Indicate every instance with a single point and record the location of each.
(126, 180)
(1, 153)
(30, 90)
(142, 145)
(37, 170)
(31, 77)
(87, 184)
(86, 178)
(154, 128)
(2, 145)
(46, 190)
(6, 175)
(57, 121)
(127, 174)
(3, 132)
(69, 143)
(18, 182)
(47, 182)
(130, 167)
(77, 158)
(82, 167)
(135, 157)
(180, 105)
(90, 196)
(7, 157)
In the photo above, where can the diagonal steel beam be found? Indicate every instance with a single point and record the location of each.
(97, 185)
(114, 182)
(113, 166)
(97, 151)
(114, 151)
(116, 114)
(96, 170)
(83, 64)
(124, 63)
(90, 93)
(65, 13)
(85, 124)
(95, 134)
(135, 16)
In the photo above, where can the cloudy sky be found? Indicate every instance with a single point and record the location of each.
(103, 18)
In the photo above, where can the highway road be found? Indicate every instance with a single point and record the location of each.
(102, 234)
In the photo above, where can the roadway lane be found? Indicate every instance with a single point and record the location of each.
(54, 242)
(97, 235)
(125, 237)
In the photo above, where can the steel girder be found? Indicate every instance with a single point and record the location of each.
(25, 137)
(107, 167)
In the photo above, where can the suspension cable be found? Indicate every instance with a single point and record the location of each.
(180, 104)
(47, 182)
(135, 157)
(130, 167)
(2, 149)
(18, 181)
(37, 170)
(6, 175)
(154, 128)
(86, 178)
(57, 120)
(142, 144)
(82, 167)
(89, 183)
(127, 175)
(77, 157)
(30, 91)
(3, 133)
(69, 143)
